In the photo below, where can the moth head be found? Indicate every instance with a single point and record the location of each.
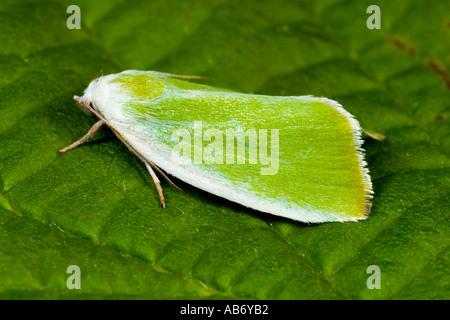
(90, 96)
(81, 102)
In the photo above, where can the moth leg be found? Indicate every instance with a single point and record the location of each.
(167, 178)
(88, 135)
(157, 184)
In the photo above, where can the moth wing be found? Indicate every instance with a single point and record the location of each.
(321, 175)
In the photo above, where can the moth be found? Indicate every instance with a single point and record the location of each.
(298, 157)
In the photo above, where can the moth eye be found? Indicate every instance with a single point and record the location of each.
(96, 79)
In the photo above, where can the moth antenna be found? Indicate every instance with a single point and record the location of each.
(187, 77)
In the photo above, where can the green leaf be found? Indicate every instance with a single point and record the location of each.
(96, 207)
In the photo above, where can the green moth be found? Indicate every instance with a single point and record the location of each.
(295, 157)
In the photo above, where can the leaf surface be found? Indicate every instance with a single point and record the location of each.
(95, 207)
